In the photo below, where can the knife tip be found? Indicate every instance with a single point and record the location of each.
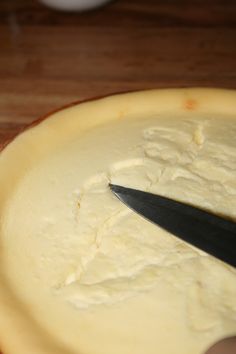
(115, 188)
(112, 187)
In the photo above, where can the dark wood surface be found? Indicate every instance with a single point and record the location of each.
(50, 58)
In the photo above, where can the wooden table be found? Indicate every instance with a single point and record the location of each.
(49, 58)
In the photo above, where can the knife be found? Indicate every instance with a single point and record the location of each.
(211, 233)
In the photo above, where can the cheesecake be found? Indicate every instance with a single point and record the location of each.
(83, 274)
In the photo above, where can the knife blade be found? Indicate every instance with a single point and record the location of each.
(211, 233)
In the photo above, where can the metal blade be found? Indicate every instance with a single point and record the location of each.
(209, 232)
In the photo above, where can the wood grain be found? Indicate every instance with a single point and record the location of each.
(50, 58)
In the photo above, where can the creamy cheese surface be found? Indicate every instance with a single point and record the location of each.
(98, 278)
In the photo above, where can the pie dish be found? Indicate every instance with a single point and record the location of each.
(82, 274)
